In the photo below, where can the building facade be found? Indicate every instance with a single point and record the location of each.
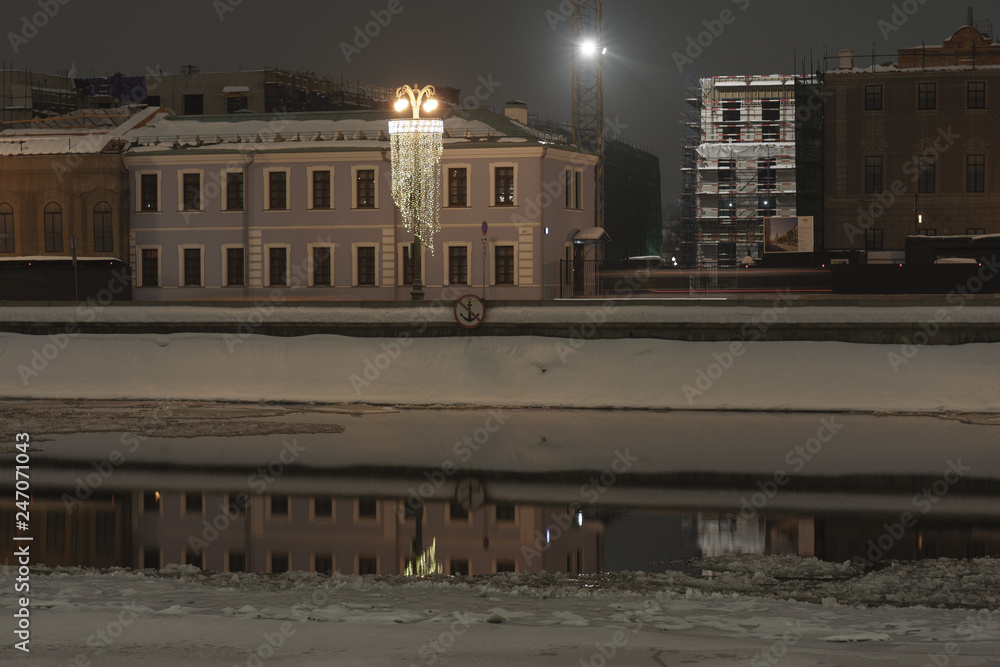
(911, 146)
(738, 166)
(299, 206)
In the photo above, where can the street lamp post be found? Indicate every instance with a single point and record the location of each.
(416, 172)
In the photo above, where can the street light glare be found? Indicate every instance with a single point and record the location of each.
(430, 105)
(401, 104)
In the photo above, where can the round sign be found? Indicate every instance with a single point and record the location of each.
(485, 227)
(470, 494)
(470, 311)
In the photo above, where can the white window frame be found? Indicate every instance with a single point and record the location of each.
(354, 186)
(159, 263)
(227, 552)
(159, 190)
(180, 191)
(368, 520)
(399, 263)
(180, 263)
(333, 560)
(309, 185)
(225, 189)
(447, 263)
(493, 185)
(468, 185)
(354, 263)
(204, 504)
(288, 264)
(568, 185)
(267, 188)
(271, 552)
(309, 258)
(493, 262)
(224, 274)
(279, 517)
(331, 519)
(357, 562)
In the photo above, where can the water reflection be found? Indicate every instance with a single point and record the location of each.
(250, 532)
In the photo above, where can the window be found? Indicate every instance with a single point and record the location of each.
(237, 561)
(321, 189)
(976, 97)
(770, 111)
(103, 232)
(193, 503)
(975, 231)
(505, 512)
(456, 512)
(926, 174)
(459, 567)
(766, 206)
(321, 266)
(153, 100)
(279, 562)
(277, 267)
(578, 191)
(504, 264)
(926, 232)
(53, 228)
(192, 267)
(506, 565)
(150, 267)
(767, 177)
(151, 557)
(324, 564)
(194, 105)
(367, 508)
(458, 187)
(234, 191)
(277, 190)
(504, 186)
(727, 208)
(6, 228)
(407, 264)
(191, 192)
(366, 188)
(926, 96)
(149, 186)
(727, 174)
(873, 239)
(150, 502)
(569, 188)
(731, 133)
(873, 98)
(367, 565)
(458, 265)
(193, 558)
(323, 507)
(731, 112)
(975, 170)
(235, 504)
(234, 267)
(771, 133)
(279, 505)
(237, 103)
(873, 174)
(366, 265)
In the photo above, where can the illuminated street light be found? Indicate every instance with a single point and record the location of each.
(416, 147)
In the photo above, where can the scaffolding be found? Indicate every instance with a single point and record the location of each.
(305, 91)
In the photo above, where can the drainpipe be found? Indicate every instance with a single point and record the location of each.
(246, 226)
(541, 229)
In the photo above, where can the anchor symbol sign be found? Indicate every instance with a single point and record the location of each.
(470, 311)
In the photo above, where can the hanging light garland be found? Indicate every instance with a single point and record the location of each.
(416, 147)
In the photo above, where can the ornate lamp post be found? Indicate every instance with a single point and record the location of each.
(416, 172)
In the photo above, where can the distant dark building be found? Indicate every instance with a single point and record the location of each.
(633, 214)
(912, 147)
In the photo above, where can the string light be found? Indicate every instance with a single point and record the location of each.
(416, 148)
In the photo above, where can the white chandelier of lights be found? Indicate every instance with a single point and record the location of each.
(416, 147)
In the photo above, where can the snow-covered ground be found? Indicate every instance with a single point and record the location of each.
(505, 371)
(757, 611)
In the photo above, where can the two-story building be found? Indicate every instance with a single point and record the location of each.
(299, 205)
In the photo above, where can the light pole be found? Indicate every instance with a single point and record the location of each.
(416, 172)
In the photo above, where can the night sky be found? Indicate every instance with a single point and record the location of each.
(522, 46)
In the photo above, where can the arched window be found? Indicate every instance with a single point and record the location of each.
(6, 228)
(53, 228)
(103, 232)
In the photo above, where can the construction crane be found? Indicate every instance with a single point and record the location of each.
(587, 23)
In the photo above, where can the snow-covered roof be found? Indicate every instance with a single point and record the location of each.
(54, 137)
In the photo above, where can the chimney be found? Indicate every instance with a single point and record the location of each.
(846, 59)
(517, 110)
(971, 19)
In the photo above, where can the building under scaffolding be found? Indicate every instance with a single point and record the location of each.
(25, 95)
(738, 166)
